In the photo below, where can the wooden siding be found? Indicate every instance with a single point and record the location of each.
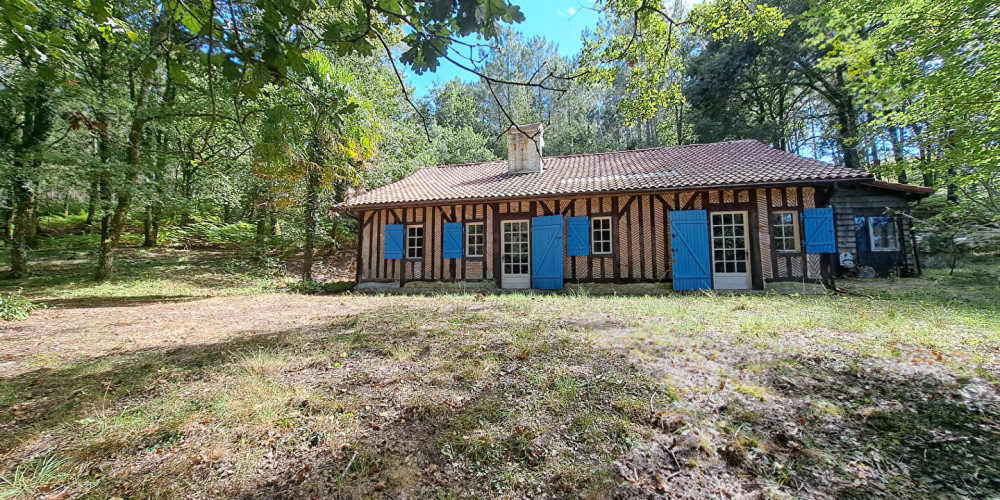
(863, 201)
(640, 235)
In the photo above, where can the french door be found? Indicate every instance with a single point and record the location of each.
(516, 255)
(730, 251)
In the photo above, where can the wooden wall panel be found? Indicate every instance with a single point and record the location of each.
(489, 216)
(646, 232)
(813, 261)
(640, 225)
(764, 234)
(777, 198)
(791, 197)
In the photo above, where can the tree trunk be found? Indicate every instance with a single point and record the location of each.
(311, 209)
(8, 221)
(149, 239)
(36, 125)
(24, 203)
(112, 227)
(896, 138)
(275, 225)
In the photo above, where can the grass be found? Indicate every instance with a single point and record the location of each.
(188, 376)
(62, 273)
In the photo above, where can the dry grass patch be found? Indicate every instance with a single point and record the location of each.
(884, 393)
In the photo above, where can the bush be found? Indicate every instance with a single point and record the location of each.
(210, 233)
(15, 307)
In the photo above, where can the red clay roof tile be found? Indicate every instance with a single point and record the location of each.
(746, 162)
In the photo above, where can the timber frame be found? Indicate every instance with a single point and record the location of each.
(640, 235)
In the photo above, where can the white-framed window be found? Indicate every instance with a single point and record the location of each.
(475, 239)
(785, 228)
(600, 235)
(882, 234)
(414, 242)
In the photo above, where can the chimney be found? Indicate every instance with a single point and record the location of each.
(524, 149)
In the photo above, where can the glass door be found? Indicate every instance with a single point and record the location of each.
(730, 259)
(516, 255)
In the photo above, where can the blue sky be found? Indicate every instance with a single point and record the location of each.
(560, 21)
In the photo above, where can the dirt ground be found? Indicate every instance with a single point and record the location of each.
(278, 395)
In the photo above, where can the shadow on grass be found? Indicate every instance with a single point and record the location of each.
(537, 414)
(878, 429)
(101, 302)
(397, 453)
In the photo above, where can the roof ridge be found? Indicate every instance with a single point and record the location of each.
(654, 148)
(599, 153)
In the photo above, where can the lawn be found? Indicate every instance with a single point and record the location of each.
(197, 376)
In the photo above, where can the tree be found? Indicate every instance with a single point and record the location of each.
(308, 136)
(930, 68)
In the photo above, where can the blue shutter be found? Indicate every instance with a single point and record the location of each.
(393, 241)
(820, 236)
(547, 252)
(689, 244)
(451, 247)
(578, 236)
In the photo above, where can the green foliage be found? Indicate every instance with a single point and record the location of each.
(930, 66)
(952, 232)
(238, 235)
(15, 307)
(645, 53)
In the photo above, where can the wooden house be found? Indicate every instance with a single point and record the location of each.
(731, 215)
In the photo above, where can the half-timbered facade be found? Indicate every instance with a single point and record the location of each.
(730, 215)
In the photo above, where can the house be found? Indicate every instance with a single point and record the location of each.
(730, 215)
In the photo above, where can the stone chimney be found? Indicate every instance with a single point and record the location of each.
(524, 149)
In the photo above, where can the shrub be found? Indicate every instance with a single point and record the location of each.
(15, 307)
(210, 233)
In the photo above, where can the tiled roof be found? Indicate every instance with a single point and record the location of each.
(746, 162)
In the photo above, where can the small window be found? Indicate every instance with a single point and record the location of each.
(475, 240)
(600, 235)
(414, 242)
(882, 234)
(785, 228)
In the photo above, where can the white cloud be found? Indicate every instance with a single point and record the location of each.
(570, 12)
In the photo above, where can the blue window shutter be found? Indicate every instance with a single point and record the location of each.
(692, 267)
(547, 252)
(820, 235)
(578, 239)
(452, 245)
(393, 241)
